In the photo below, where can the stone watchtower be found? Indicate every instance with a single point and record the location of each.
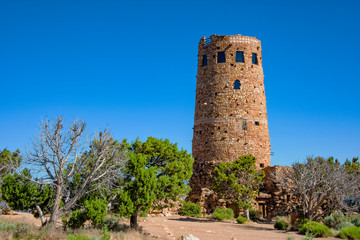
(230, 110)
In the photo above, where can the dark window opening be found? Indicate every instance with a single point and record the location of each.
(239, 56)
(204, 60)
(218, 128)
(225, 131)
(254, 58)
(237, 85)
(200, 132)
(257, 123)
(261, 165)
(221, 57)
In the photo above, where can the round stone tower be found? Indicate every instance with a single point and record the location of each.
(230, 110)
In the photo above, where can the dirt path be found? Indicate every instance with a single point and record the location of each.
(174, 227)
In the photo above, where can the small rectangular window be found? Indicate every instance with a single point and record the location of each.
(254, 58)
(257, 123)
(204, 60)
(261, 165)
(239, 56)
(221, 57)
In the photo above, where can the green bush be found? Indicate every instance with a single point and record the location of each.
(241, 219)
(77, 219)
(355, 220)
(221, 214)
(301, 222)
(190, 209)
(105, 233)
(77, 237)
(281, 225)
(96, 211)
(254, 215)
(337, 220)
(318, 229)
(350, 233)
(344, 225)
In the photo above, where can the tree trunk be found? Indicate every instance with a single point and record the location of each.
(41, 215)
(54, 215)
(133, 221)
(247, 213)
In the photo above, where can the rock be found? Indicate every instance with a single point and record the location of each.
(188, 237)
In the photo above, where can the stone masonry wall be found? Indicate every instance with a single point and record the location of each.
(228, 122)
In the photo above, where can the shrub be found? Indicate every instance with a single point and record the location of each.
(309, 236)
(241, 219)
(355, 220)
(190, 209)
(350, 233)
(281, 225)
(254, 215)
(221, 214)
(96, 211)
(105, 233)
(22, 230)
(337, 220)
(300, 222)
(6, 227)
(77, 219)
(330, 221)
(318, 229)
(77, 237)
(344, 225)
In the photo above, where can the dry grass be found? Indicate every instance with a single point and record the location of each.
(15, 228)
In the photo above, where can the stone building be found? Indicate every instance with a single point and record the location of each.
(230, 110)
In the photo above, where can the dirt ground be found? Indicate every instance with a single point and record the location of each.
(173, 227)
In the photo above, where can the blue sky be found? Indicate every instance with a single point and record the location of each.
(131, 66)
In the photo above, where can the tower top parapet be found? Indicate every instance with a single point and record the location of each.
(238, 38)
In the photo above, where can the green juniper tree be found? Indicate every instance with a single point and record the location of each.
(157, 171)
(238, 181)
(22, 194)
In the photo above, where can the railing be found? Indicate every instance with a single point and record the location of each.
(207, 41)
(242, 39)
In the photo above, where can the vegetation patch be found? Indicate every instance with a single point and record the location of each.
(190, 209)
(281, 225)
(337, 220)
(317, 229)
(222, 214)
(350, 233)
(241, 219)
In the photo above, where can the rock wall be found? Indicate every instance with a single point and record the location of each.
(273, 199)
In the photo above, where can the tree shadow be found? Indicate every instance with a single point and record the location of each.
(189, 219)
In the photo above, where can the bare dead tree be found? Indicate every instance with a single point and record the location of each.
(57, 155)
(321, 186)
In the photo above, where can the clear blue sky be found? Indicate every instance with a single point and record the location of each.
(131, 66)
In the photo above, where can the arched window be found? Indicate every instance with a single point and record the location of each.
(237, 84)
